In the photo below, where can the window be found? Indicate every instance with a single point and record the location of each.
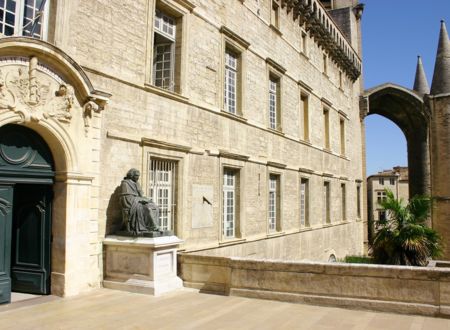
(231, 81)
(325, 64)
(341, 83)
(304, 44)
(358, 201)
(166, 51)
(304, 105)
(381, 196)
(343, 203)
(274, 202)
(381, 215)
(381, 181)
(162, 190)
(230, 203)
(274, 102)
(24, 17)
(342, 135)
(275, 14)
(326, 122)
(326, 202)
(392, 181)
(304, 202)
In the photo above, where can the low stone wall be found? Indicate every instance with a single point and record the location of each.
(412, 290)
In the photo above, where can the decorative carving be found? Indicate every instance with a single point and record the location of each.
(7, 98)
(61, 104)
(28, 91)
(88, 108)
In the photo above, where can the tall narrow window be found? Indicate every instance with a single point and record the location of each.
(162, 190)
(343, 203)
(164, 51)
(275, 14)
(24, 17)
(358, 201)
(304, 202)
(274, 102)
(341, 83)
(325, 64)
(274, 202)
(304, 105)
(326, 202)
(326, 128)
(230, 202)
(231, 81)
(304, 44)
(342, 135)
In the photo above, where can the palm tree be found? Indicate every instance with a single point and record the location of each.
(403, 238)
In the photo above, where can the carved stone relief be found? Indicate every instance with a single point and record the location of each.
(35, 92)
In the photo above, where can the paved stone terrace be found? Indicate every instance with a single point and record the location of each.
(187, 309)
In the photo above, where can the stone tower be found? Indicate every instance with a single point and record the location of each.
(438, 103)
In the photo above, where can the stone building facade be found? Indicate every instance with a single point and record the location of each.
(242, 116)
(395, 180)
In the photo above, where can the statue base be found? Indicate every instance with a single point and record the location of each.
(141, 264)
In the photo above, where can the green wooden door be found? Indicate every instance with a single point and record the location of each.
(26, 179)
(6, 199)
(30, 255)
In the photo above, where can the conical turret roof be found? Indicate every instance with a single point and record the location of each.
(441, 76)
(420, 82)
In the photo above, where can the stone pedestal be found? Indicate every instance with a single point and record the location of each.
(141, 264)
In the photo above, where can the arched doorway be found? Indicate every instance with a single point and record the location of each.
(405, 108)
(26, 193)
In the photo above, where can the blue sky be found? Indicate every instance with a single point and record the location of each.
(394, 33)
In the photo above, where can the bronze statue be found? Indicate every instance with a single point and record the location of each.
(139, 213)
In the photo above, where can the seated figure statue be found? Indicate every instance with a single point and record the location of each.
(140, 214)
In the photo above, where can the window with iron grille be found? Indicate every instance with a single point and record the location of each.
(164, 51)
(274, 95)
(24, 17)
(162, 190)
(274, 202)
(231, 81)
(230, 178)
(304, 202)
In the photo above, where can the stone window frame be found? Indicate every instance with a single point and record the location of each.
(239, 46)
(344, 213)
(155, 150)
(304, 43)
(305, 134)
(275, 72)
(358, 201)
(326, 127)
(275, 16)
(233, 162)
(342, 136)
(326, 192)
(180, 10)
(307, 220)
(279, 202)
(19, 17)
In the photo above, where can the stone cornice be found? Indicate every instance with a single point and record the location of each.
(324, 30)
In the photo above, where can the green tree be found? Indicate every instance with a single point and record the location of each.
(403, 238)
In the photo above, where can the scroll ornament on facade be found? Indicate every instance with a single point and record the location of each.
(33, 93)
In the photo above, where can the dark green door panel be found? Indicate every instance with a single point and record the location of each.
(30, 257)
(6, 202)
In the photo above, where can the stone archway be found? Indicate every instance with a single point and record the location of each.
(45, 90)
(406, 109)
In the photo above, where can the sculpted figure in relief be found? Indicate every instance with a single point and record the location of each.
(140, 214)
(61, 105)
(7, 99)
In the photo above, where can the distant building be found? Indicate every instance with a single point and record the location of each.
(396, 180)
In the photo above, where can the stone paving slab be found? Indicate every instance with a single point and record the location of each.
(188, 309)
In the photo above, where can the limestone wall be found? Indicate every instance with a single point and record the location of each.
(398, 289)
